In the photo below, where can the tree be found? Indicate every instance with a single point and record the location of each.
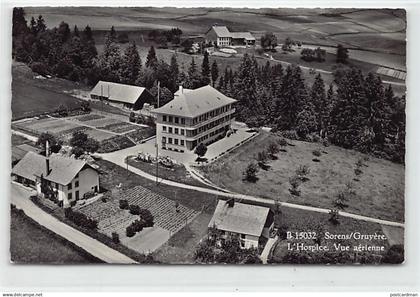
(131, 65)
(214, 72)
(200, 150)
(87, 33)
(205, 70)
(40, 24)
(319, 103)
(151, 59)
(53, 142)
(342, 54)
(76, 31)
(268, 41)
(64, 31)
(81, 143)
(194, 78)
(349, 115)
(174, 73)
(287, 44)
(250, 173)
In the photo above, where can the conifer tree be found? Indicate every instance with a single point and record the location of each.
(194, 78)
(174, 68)
(319, 101)
(40, 24)
(151, 59)
(205, 70)
(349, 115)
(131, 64)
(214, 72)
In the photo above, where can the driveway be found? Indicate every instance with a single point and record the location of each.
(20, 197)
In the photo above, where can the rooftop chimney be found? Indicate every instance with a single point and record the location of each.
(47, 157)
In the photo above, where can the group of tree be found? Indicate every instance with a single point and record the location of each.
(310, 55)
(162, 38)
(357, 113)
(57, 51)
(81, 143)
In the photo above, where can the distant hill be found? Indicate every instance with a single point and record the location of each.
(378, 30)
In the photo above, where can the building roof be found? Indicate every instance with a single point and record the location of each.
(240, 218)
(195, 102)
(62, 169)
(242, 35)
(19, 151)
(221, 31)
(118, 92)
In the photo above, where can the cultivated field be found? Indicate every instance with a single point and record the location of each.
(379, 189)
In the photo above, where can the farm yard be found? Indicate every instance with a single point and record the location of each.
(379, 187)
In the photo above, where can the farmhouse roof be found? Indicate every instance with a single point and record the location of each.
(240, 218)
(62, 169)
(19, 151)
(118, 92)
(242, 35)
(195, 102)
(222, 31)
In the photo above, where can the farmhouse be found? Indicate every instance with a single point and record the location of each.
(132, 97)
(250, 223)
(202, 115)
(223, 37)
(67, 179)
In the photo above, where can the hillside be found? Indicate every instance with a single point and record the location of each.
(376, 30)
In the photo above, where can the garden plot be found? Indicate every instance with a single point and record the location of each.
(98, 123)
(141, 133)
(121, 127)
(99, 135)
(109, 216)
(166, 214)
(88, 117)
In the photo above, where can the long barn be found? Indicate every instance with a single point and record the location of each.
(128, 96)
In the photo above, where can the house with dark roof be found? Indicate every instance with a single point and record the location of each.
(128, 96)
(250, 223)
(67, 178)
(203, 115)
(221, 36)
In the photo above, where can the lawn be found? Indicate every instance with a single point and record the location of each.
(29, 100)
(379, 188)
(31, 243)
(296, 220)
(178, 173)
(17, 140)
(112, 175)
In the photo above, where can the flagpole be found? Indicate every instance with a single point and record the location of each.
(157, 143)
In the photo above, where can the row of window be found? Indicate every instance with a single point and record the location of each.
(70, 186)
(173, 119)
(208, 126)
(211, 134)
(70, 195)
(171, 140)
(211, 114)
(173, 130)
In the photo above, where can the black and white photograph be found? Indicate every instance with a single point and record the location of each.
(176, 135)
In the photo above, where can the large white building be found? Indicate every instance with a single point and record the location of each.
(68, 178)
(249, 222)
(203, 115)
(223, 37)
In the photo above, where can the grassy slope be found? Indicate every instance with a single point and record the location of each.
(380, 191)
(31, 243)
(112, 175)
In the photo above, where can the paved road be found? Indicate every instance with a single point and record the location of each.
(118, 158)
(20, 197)
(27, 136)
(266, 252)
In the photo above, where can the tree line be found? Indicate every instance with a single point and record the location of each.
(356, 112)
